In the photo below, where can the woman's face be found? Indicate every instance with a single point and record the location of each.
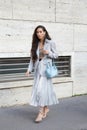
(40, 34)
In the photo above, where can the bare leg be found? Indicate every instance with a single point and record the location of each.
(46, 110)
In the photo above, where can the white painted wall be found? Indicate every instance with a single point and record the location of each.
(66, 22)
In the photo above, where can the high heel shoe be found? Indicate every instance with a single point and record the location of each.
(39, 117)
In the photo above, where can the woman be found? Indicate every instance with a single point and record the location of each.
(42, 51)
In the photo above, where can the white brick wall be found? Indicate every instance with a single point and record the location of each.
(80, 38)
(80, 73)
(6, 9)
(71, 11)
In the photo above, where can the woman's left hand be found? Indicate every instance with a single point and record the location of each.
(45, 52)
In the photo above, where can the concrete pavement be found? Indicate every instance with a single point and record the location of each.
(69, 114)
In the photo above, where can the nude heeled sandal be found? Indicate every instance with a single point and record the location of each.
(39, 116)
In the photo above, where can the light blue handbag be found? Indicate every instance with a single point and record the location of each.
(51, 70)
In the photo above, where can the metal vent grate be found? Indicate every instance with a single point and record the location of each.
(63, 64)
(13, 69)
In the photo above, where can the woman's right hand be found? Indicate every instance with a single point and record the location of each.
(27, 73)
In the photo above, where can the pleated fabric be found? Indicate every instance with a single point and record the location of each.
(42, 91)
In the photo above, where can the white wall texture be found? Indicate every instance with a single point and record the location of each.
(65, 20)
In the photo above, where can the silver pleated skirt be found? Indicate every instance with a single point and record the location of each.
(42, 91)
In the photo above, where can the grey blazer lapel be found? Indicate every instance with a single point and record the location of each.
(46, 45)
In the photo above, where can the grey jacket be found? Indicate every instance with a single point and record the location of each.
(51, 47)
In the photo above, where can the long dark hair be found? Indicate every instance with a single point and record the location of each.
(35, 42)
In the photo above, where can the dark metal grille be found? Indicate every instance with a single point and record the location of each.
(13, 69)
(63, 64)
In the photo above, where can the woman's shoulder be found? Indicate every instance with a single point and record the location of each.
(50, 41)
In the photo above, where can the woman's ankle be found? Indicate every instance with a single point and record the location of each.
(41, 110)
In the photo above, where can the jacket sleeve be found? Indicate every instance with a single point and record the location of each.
(53, 52)
(30, 66)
